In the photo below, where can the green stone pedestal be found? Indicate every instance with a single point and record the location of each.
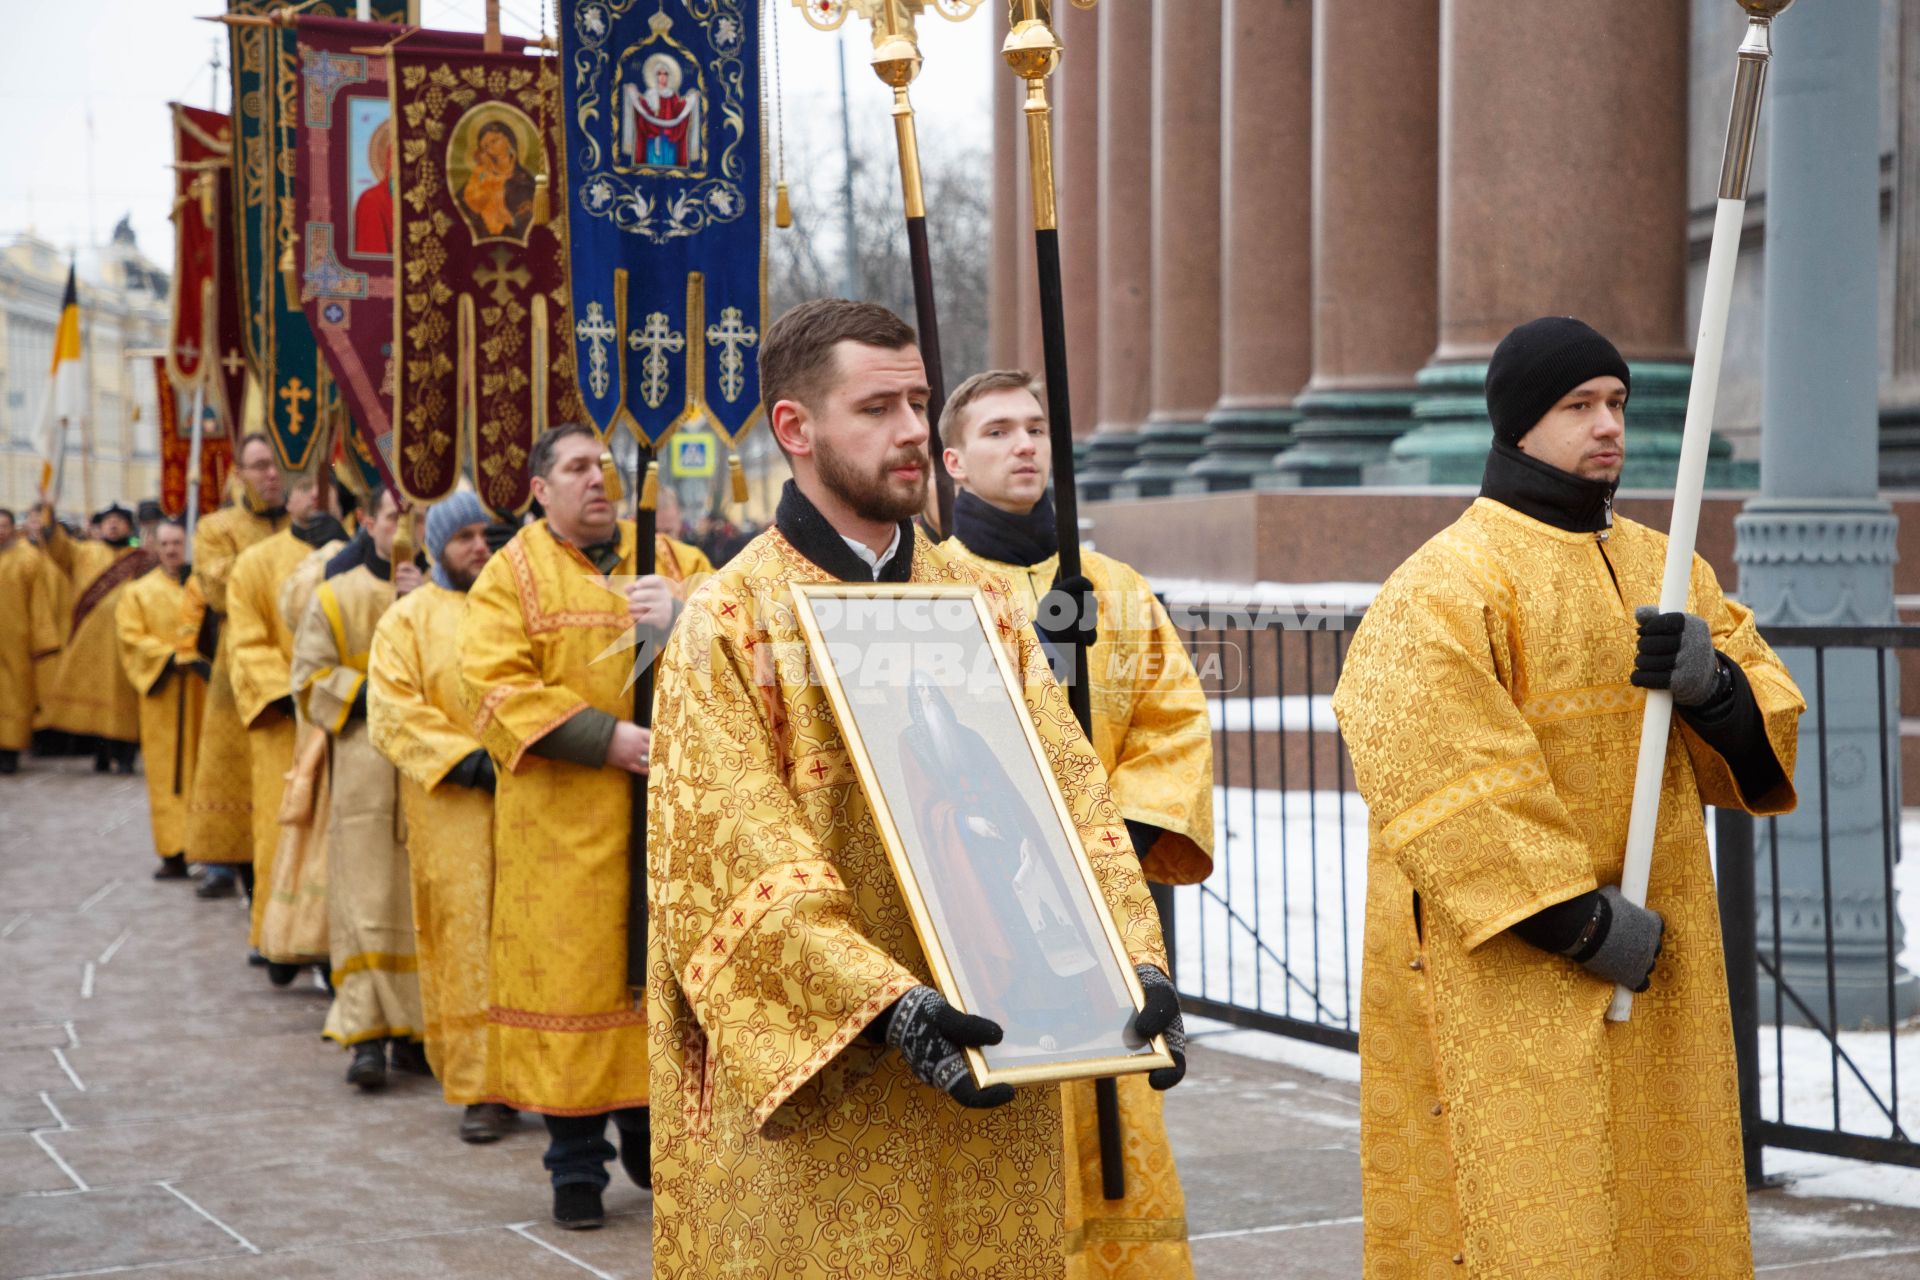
(1101, 460)
(1240, 445)
(1339, 435)
(1166, 450)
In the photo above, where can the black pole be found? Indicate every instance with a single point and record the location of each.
(644, 654)
(1734, 868)
(179, 723)
(1066, 506)
(927, 312)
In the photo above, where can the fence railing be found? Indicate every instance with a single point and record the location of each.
(1272, 940)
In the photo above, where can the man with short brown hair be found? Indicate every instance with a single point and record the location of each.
(807, 1070)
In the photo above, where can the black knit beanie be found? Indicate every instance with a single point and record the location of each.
(1538, 363)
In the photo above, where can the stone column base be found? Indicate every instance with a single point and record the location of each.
(1107, 456)
(1240, 445)
(1339, 435)
(1167, 449)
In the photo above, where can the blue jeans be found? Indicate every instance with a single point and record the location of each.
(577, 1146)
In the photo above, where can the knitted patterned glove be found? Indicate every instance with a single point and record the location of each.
(930, 1033)
(1161, 1017)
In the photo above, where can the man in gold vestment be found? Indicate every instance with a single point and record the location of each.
(376, 988)
(219, 816)
(27, 633)
(1151, 730)
(416, 718)
(90, 696)
(171, 679)
(566, 1035)
(1492, 703)
(815, 1116)
(262, 654)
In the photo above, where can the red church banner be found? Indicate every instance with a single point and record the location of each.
(176, 447)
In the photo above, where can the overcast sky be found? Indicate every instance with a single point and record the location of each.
(119, 62)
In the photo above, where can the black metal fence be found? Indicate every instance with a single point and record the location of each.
(1272, 940)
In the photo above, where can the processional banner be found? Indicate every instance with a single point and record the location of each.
(298, 400)
(176, 446)
(666, 211)
(480, 337)
(344, 209)
(204, 340)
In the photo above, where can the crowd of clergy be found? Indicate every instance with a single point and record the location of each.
(398, 734)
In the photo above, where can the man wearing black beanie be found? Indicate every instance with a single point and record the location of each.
(1492, 705)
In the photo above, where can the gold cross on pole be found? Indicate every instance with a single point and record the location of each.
(294, 393)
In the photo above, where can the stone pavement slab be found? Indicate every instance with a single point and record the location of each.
(215, 1138)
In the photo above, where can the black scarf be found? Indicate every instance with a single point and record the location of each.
(801, 524)
(1546, 493)
(318, 529)
(986, 530)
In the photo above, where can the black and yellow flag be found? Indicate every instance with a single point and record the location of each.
(63, 399)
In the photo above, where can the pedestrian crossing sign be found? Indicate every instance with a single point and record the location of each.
(695, 453)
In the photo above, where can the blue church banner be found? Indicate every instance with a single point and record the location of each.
(666, 211)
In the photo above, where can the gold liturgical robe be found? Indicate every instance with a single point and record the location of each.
(294, 924)
(369, 900)
(155, 656)
(565, 1034)
(57, 590)
(219, 817)
(1154, 738)
(90, 694)
(27, 632)
(416, 718)
(786, 1143)
(261, 655)
(1505, 1123)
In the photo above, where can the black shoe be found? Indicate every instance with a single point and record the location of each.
(216, 887)
(636, 1151)
(172, 867)
(256, 960)
(369, 1069)
(9, 762)
(325, 970)
(576, 1207)
(282, 975)
(101, 763)
(409, 1056)
(487, 1122)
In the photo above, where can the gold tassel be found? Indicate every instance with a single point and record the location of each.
(403, 544)
(782, 207)
(289, 276)
(542, 202)
(610, 476)
(737, 472)
(650, 491)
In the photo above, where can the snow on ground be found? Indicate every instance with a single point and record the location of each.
(1278, 927)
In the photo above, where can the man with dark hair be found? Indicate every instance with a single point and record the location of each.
(219, 815)
(90, 696)
(545, 653)
(157, 656)
(1491, 702)
(27, 632)
(1153, 734)
(802, 1057)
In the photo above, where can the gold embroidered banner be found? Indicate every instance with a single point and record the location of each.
(481, 345)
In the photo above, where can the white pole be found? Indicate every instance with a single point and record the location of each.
(193, 457)
(1656, 723)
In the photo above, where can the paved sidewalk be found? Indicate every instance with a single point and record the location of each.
(164, 1111)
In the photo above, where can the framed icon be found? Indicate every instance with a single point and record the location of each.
(1003, 898)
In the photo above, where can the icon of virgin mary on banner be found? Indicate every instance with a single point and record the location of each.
(345, 210)
(667, 211)
(482, 357)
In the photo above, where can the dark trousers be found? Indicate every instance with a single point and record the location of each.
(577, 1146)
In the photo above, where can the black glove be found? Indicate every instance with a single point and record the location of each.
(1161, 1017)
(358, 711)
(204, 667)
(1676, 653)
(930, 1033)
(1601, 932)
(1069, 612)
(207, 640)
(475, 771)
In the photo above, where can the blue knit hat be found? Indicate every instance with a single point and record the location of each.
(446, 518)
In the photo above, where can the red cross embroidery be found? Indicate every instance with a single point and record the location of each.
(819, 770)
(695, 971)
(719, 947)
(766, 891)
(751, 644)
(1004, 628)
(1111, 839)
(726, 610)
(740, 919)
(799, 875)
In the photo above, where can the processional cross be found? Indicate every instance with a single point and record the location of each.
(596, 331)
